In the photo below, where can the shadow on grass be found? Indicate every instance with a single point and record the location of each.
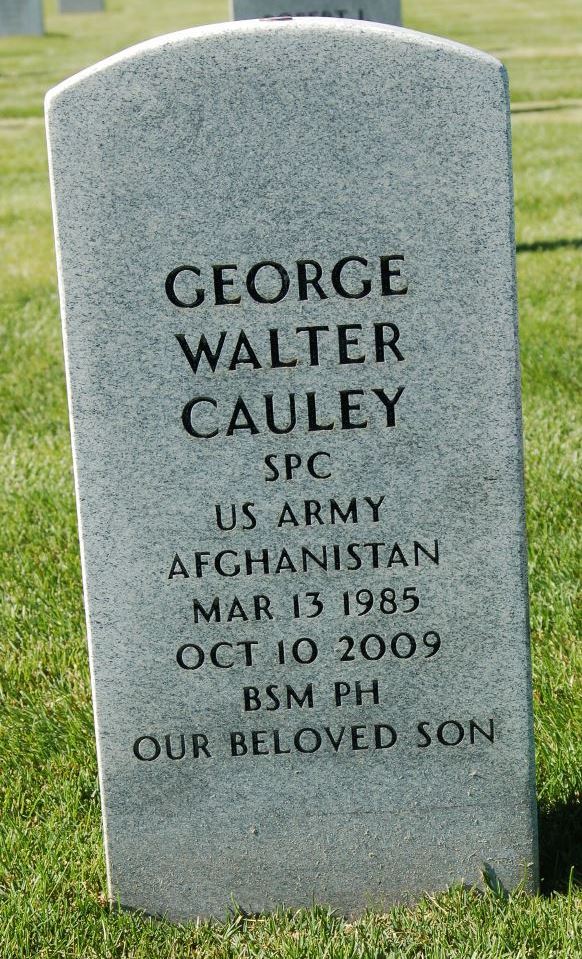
(542, 246)
(545, 107)
(560, 836)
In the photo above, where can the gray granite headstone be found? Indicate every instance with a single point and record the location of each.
(380, 11)
(81, 6)
(21, 17)
(286, 262)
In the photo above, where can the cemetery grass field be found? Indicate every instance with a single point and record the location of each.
(52, 874)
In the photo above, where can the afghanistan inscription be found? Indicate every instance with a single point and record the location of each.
(286, 263)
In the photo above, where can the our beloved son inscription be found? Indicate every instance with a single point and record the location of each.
(286, 267)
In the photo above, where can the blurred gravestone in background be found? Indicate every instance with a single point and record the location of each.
(380, 11)
(21, 17)
(81, 6)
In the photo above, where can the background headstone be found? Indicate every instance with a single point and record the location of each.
(81, 6)
(21, 17)
(286, 261)
(380, 11)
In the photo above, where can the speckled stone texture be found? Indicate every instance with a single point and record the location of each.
(303, 537)
(21, 17)
(81, 6)
(380, 11)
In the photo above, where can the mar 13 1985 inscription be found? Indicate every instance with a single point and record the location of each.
(288, 299)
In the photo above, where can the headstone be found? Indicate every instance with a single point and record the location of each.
(286, 262)
(380, 11)
(81, 6)
(21, 17)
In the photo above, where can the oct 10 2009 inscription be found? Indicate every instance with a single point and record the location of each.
(293, 375)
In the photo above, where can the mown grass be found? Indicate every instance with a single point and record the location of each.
(52, 877)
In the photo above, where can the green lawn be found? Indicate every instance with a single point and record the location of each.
(52, 876)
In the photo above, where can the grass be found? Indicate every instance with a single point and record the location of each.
(52, 877)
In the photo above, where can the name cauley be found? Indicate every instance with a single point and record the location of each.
(267, 283)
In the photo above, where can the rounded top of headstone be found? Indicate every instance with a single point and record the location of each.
(273, 30)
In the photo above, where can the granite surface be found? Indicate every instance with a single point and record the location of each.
(286, 266)
(21, 17)
(380, 11)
